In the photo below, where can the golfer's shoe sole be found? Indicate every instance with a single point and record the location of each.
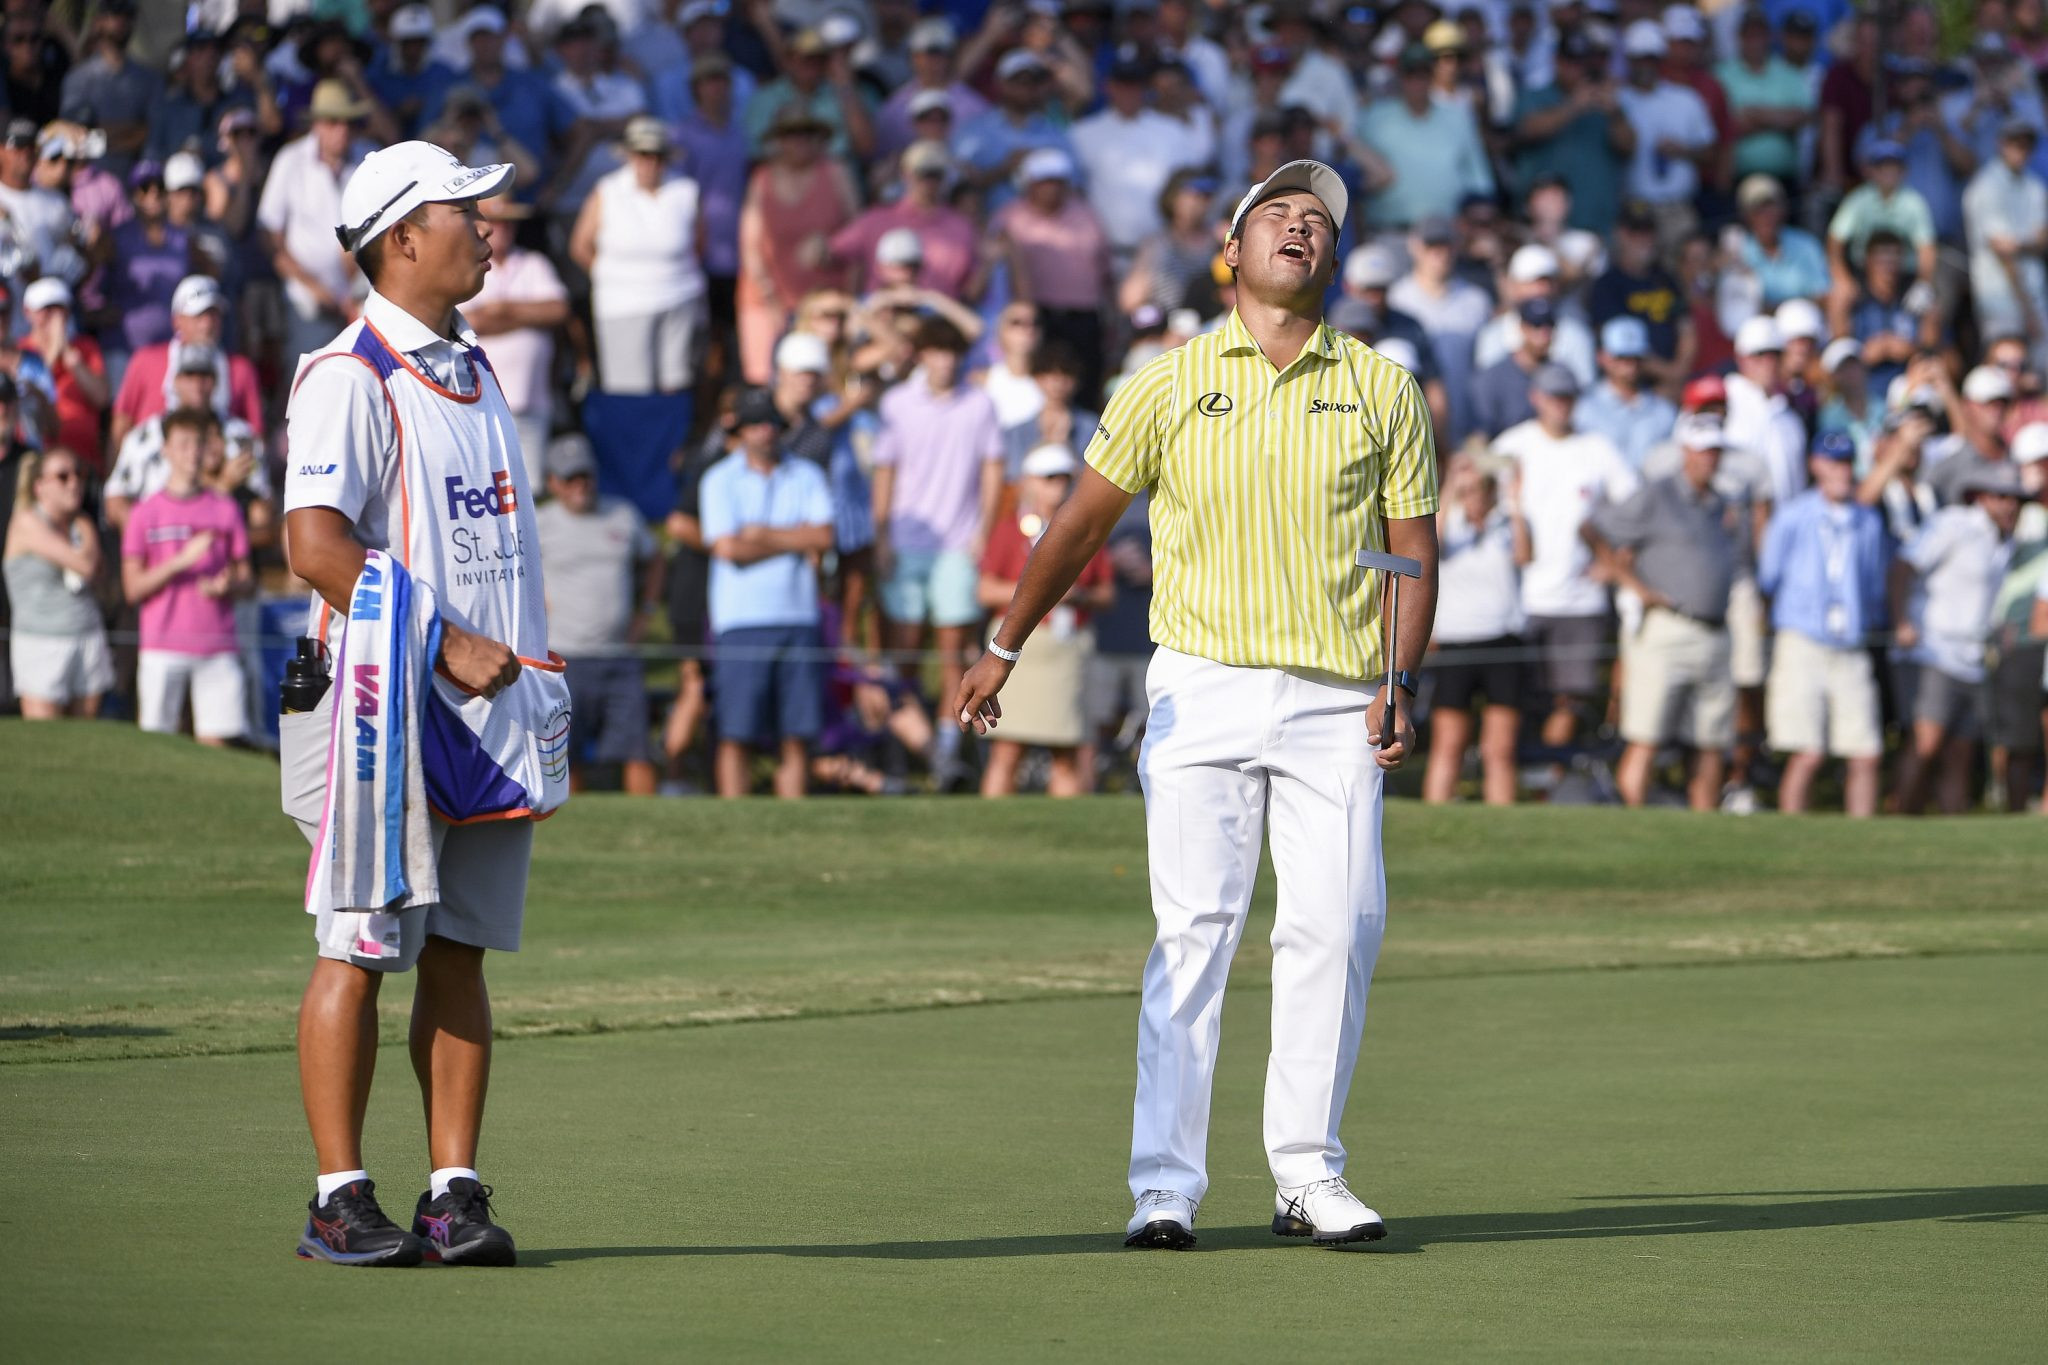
(1162, 1234)
(311, 1248)
(1285, 1225)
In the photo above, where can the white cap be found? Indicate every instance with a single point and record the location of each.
(802, 353)
(1682, 24)
(900, 246)
(183, 171)
(1801, 318)
(1185, 322)
(1532, 262)
(1050, 461)
(411, 21)
(926, 101)
(393, 182)
(839, 29)
(1313, 176)
(1371, 267)
(47, 292)
(1840, 352)
(700, 9)
(2030, 443)
(1701, 431)
(1046, 163)
(482, 19)
(1644, 38)
(1759, 335)
(1986, 384)
(1401, 351)
(197, 294)
(1018, 62)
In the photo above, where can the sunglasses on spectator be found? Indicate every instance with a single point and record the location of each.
(1030, 324)
(61, 475)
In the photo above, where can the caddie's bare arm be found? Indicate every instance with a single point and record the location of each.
(1079, 530)
(321, 549)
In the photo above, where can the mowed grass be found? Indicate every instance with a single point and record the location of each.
(1826, 1145)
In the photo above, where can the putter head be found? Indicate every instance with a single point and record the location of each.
(1386, 563)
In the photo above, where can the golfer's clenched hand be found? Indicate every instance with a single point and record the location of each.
(975, 705)
(1393, 747)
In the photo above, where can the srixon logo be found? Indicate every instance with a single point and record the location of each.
(498, 499)
(367, 687)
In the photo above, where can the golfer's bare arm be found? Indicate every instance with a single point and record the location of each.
(1415, 538)
(320, 548)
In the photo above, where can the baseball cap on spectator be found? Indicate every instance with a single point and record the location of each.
(393, 181)
(802, 353)
(56, 143)
(1555, 380)
(196, 294)
(1840, 352)
(756, 406)
(928, 157)
(199, 358)
(934, 33)
(707, 65)
(899, 246)
(2030, 443)
(21, 132)
(570, 455)
(334, 102)
(234, 121)
(1021, 62)
(1760, 335)
(1131, 67)
(2018, 129)
(1707, 391)
(1181, 321)
(694, 12)
(1436, 230)
(1401, 351)
(1635, 216)
(839, 29)
(1625, 336)
(491, 19)
(47, 292)
(1644, 38)
(1682, 24)
(1537, 313)
(929, 101)
(1531, 263)
(1801, 21)
(145, 172)
(1883, 149)
(1045, 163)
(1050, 461)
(1416, 57)
(1444, 36)
(2000, 478)
(1753, 17)
(1987, 384)
(1701, 431)
(183, 171)
(1312, 176)
(1148, 318)
(645, 133)
(1835, 445)
(1757, 189)
(1801, 319)
(1371, 267)
(808, 42)
(411, 22)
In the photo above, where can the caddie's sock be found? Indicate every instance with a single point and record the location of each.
(335, 1180)
(439, 1179)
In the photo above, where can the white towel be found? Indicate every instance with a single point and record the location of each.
(375, 853)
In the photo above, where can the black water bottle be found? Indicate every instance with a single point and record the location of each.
(305, 679)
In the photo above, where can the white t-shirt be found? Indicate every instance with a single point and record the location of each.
(301, 203)
(1017, 396)
(42, 222)
(1127, 162)
(1479, 595)
(522, 356)
(1961, 559)
(1666, 113)
(1562, 482)
(1765, 425)
(646, 247)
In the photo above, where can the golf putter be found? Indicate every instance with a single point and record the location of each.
(1397, 567)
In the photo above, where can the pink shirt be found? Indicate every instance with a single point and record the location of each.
(1064, 256)
(522, 357)
(180, 618)
(948, 236)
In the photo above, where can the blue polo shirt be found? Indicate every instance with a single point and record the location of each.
(781, 590)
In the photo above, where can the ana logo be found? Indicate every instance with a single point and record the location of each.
(366, 685)
(1316, 405)
(315, 471)
(500, 499)
(1213, 404)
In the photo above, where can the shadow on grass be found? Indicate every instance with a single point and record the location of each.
(1616, 1215)
(65, 1032)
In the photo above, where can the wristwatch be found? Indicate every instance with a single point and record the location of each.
(1404, 680)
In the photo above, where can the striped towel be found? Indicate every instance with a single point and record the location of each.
(375, 853)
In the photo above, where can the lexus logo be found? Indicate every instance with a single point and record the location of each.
(1213, 404)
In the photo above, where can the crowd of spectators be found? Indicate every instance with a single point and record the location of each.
(1732, 322)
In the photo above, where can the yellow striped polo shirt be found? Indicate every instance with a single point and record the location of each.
(1266, 483)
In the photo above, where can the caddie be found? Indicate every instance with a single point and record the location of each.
(1276, 449)
(404, 457)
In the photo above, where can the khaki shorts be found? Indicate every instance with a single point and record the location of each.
(1677, 685)
(1749, 656)
(483, 867)
(1822, 700)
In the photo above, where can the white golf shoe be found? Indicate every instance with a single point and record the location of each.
(1327, 1211)
(1163, 1219)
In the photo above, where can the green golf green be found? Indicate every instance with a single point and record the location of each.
(1805, 1123)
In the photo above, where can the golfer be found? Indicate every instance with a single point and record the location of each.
(1276, 450)
(401, 440)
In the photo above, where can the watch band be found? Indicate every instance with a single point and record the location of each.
(1006, 655)
(1404, 680)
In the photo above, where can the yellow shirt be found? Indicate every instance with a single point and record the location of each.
(1265, 486)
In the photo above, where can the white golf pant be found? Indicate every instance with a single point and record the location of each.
(1225, 745)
